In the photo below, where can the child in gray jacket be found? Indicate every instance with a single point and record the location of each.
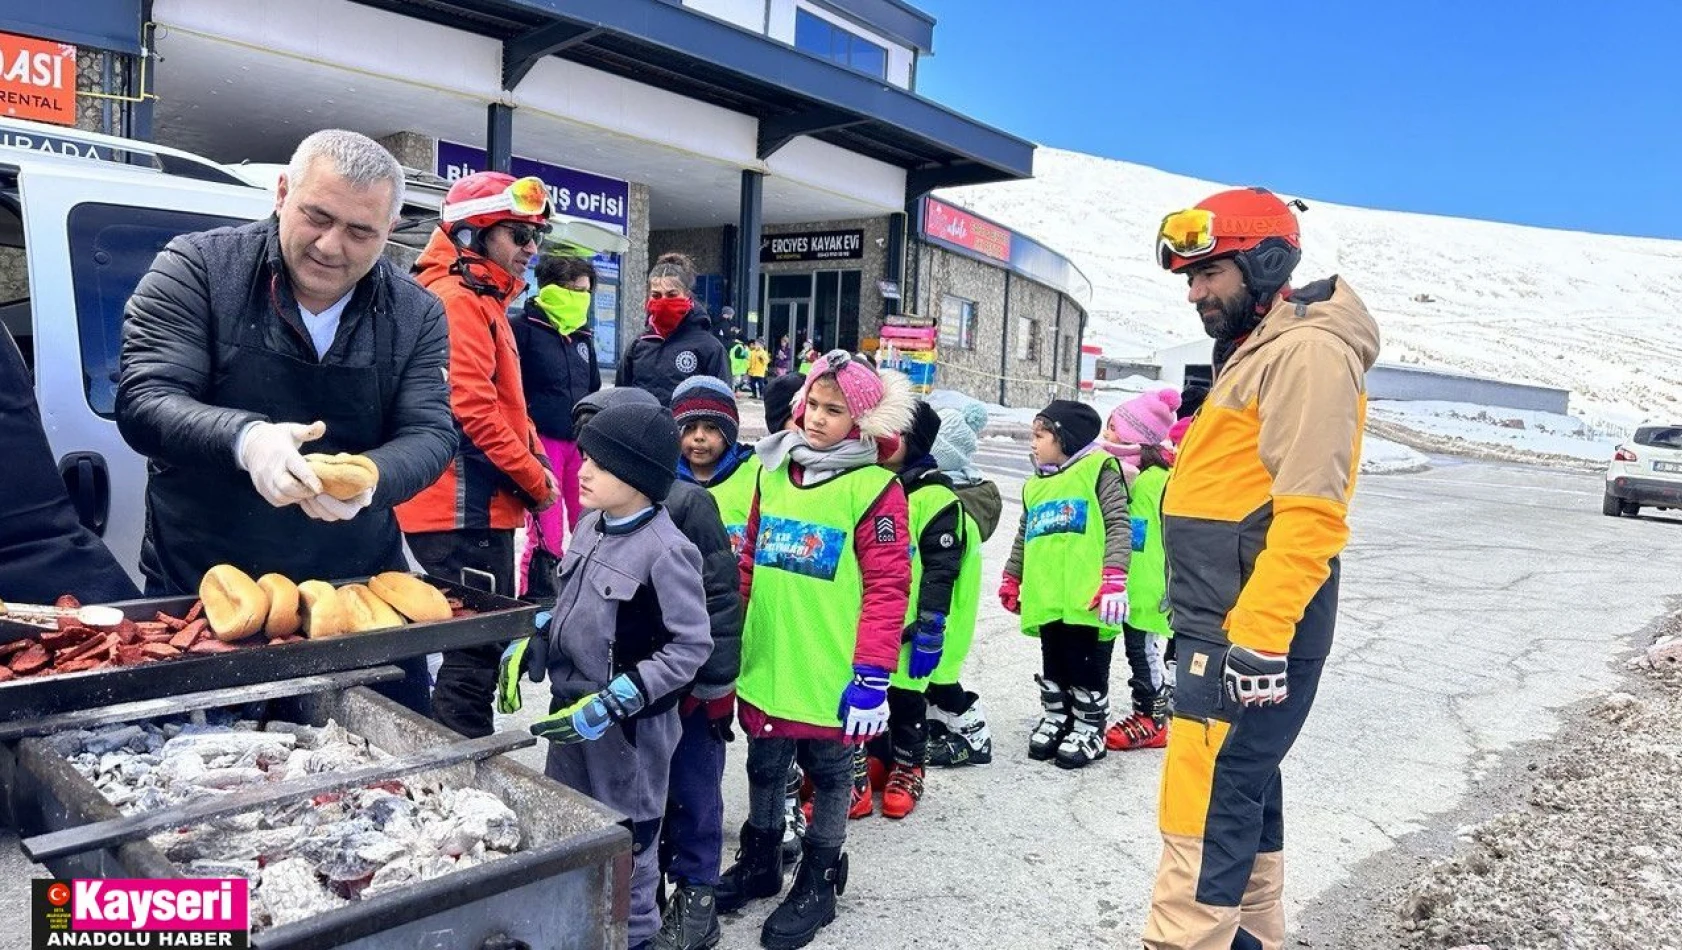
(621, 644)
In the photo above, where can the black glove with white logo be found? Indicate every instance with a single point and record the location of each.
(1254, 678)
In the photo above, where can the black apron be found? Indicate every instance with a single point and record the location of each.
(199, 517)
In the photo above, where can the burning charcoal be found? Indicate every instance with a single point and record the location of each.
(211, 868)
(291, 891)
(232, 777)
(131, 738)
(349, 850)
(486, 817)
(399, 873)
(233, 745)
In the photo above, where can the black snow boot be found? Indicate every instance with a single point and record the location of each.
(757, 873)
(810, 905)
(691, 920)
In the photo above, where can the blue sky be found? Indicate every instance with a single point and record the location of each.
(1547, 112)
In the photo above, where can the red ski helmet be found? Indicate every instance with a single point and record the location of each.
(482, 199)
(1252, 226)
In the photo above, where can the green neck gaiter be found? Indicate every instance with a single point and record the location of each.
(566, 309)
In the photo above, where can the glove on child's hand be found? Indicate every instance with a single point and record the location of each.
(588, 719)
(1111, 599)
(524, 656)
(1010, 593)
(864, 703)
(928, 642)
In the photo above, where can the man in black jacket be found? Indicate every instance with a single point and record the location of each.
(44, 550)
(692, 836)
(241, 345)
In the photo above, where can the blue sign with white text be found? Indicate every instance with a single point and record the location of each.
(575, 193)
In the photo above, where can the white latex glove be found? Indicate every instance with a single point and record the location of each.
(269, 452)
(325, 507)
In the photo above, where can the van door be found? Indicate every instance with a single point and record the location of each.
(89, 236)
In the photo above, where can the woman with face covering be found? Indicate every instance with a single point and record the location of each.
(557, 368)
(678, 341)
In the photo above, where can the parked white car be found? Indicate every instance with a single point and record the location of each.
(1646, 471)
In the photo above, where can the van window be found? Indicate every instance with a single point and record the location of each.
(111, 247)
(1662, 437)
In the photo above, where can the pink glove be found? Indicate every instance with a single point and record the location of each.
(1010, 593)
(1111, 599)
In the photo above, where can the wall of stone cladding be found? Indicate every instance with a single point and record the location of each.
(633, 270)
(973, 371)
(90, 77)
(413, 150)
(705, 246)
(978, 371)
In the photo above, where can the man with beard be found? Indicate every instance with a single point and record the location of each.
(1254, 518)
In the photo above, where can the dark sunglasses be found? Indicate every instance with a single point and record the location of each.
(524, 234)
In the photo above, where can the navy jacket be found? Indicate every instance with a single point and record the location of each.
(556, 371)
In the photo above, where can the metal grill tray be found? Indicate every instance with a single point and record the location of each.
(498, 619)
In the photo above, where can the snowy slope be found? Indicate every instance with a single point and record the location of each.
(1596, 314)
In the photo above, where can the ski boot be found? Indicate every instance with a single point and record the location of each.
(1055, 721)
(957, 739)
(1084, 743)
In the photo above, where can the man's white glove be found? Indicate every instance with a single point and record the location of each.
(269, 452)
(325, 507)
(1254, 678)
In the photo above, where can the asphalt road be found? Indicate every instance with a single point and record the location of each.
(1478, 601)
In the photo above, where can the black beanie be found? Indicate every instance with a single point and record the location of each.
(779, 401)
(1075, 424)
(637, 444)
(925, 426)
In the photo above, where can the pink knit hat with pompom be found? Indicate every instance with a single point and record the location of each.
(1146, 418)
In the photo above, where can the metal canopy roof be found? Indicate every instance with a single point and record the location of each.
(661, 44)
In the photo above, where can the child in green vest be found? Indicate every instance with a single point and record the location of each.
(705, 410)
(1137, 436)
(958, 733)
(826, 572)
(943, 562)
(1067, 577)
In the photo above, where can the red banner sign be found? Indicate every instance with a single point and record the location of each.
(957, 226)
(37, 79)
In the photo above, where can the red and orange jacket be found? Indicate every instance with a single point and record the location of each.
(499, 469)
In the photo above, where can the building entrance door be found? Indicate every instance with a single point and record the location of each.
(793, 319)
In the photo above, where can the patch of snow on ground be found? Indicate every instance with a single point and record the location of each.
(1513, 433)
(1380, 456)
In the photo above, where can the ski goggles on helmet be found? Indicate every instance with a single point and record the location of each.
(525, 197)
(1196, 232)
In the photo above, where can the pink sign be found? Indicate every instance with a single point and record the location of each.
(957, 226)
(180, 904)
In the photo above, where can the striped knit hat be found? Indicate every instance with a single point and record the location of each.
(706, 399)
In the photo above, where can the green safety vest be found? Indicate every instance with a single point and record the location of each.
(807, 595)
(804, 367)
(738, 360)
(734, 497)
(1147, 569)
(1063, 546)
(925, 503)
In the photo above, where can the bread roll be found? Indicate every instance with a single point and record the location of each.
(413, 597)
(344, 476)
(233, 603)
(283, 605)
(366, 610)
(323, 610)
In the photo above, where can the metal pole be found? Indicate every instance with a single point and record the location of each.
(895, 269)
(1004, 350)
(499, 137)
(749, 225)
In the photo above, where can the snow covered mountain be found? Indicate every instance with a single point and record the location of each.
(1596, 314)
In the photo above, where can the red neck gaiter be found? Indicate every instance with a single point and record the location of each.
(665, 313)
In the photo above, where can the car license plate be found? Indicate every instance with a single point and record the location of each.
(1667, 466)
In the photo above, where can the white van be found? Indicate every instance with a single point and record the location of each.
(81, 218)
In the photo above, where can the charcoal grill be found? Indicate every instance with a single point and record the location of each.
(568, 889)
(496, 619)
